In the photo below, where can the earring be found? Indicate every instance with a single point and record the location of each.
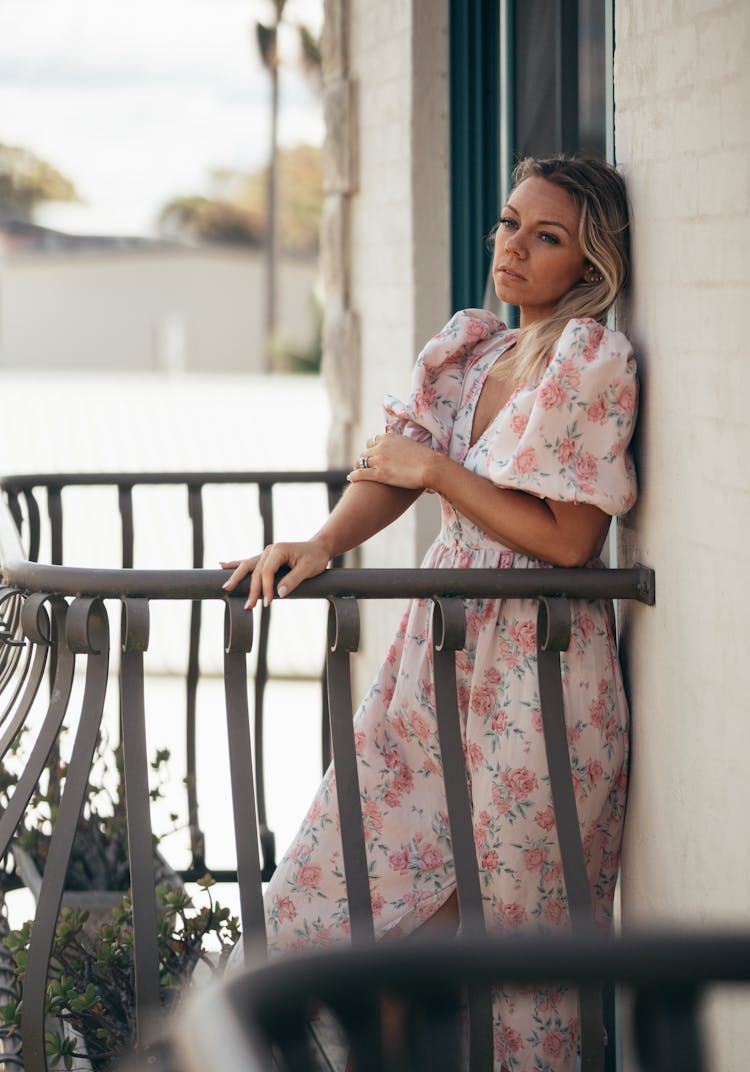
(592, 276)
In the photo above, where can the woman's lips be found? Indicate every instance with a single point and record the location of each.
(504, 270)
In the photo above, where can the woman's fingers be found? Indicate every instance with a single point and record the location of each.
(304, 560)
(241, 567)
(394, 459)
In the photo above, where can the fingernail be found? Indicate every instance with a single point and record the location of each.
(247, 605)
(349, 478)
(266, 601)
(225, 584)
(282, 591)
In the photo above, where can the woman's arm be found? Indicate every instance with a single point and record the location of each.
(360, 513)
(565, 534)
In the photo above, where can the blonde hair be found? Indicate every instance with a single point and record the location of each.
(603, 234)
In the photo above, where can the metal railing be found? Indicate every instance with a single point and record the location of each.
(238, 1026)
(66, 611)
(35, 503)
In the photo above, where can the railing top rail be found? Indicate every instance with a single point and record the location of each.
(586, 583)
(25, 481)
(661, 959)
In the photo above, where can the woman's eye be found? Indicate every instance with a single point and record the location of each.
(506, 221)
(546, 237)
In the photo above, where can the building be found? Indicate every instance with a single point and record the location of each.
(128, 304)
(427, 103)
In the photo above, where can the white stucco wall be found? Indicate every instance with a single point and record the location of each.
(399, 239)
(682, 98)
(157, 309)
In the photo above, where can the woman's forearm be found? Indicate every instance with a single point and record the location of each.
(362, 511)
(566, 534)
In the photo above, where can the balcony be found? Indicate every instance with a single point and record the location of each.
(55, 616)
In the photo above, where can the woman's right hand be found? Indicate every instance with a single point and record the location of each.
(305, 559)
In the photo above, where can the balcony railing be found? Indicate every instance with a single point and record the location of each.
(36, 503)
(53, 615)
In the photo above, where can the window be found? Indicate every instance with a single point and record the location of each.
(528, 77)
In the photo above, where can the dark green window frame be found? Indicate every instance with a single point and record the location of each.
(566, 105)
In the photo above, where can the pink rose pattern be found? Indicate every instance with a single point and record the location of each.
(403, 804)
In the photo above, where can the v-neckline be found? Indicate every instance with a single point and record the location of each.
(483, 377)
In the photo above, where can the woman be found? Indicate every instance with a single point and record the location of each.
(524, 435)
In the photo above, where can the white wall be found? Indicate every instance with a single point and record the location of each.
(682, 98)
(192, 309)
(400, 237)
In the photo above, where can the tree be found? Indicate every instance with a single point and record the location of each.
(267, 40)
(204, 219)
(237, 212)
(26, 180)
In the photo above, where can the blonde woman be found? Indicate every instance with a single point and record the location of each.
(524, 434)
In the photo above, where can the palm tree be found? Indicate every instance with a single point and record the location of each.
(267, 39)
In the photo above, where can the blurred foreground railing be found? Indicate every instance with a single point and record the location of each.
(240, 1024)
(61, 611)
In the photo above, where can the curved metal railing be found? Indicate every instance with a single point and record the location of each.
(36, 509)
(55, 615)
(65, 610)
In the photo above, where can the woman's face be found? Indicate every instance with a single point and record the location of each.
(537, 256)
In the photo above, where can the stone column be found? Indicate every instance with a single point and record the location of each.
(341, 342)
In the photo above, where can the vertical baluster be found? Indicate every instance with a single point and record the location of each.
(135, 638)
(448, 637)
(87, 633)
(334, 491)
(343, 638)
(238, 639)
(667, 1029)
(35, 524)
(197, 840)
(553, 637)
(267, 839)
(356, 1008)
(15, 510)
(125, 503)
(55, 512)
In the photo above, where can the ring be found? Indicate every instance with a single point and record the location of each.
(364, 462)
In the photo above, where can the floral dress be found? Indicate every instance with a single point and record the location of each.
(566, 439)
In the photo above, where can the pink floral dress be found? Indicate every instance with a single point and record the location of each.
(565, 439)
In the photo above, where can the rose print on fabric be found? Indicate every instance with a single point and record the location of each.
(565, 438)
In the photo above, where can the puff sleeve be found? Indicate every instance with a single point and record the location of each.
(437, 382)
(567, 438)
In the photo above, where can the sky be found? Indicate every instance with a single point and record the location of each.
(136, 101)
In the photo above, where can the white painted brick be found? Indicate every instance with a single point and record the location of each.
(683, 141)
(724, 183)
(725, 41)
(696, 119)
(735, 112)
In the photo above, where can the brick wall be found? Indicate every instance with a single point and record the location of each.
(682, 101)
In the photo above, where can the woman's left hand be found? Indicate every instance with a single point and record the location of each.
(393, 459)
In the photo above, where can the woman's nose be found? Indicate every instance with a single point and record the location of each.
(514, 244)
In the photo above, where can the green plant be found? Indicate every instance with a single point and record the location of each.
(99, 856)
(91, 984)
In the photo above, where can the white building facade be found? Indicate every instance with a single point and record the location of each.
(414, 91)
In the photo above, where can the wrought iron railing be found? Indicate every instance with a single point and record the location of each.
(238, 1026)
(35, 502)
(65, 612)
